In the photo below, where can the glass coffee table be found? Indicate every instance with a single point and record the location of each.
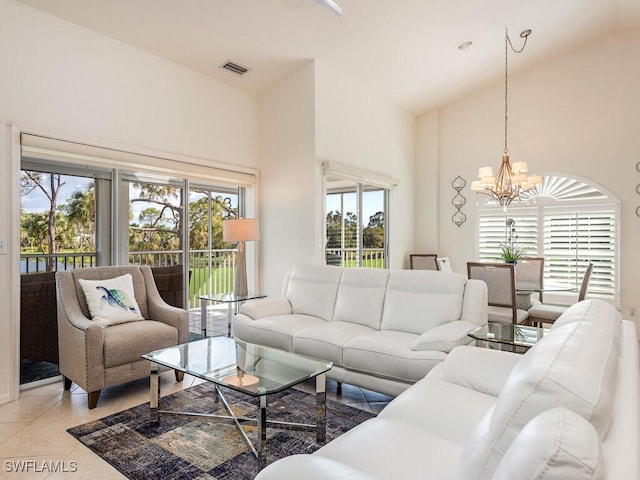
(254, 370)
(508, 334)
(231, 299)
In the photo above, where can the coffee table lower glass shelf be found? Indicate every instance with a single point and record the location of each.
(251, 369)
(508, 334)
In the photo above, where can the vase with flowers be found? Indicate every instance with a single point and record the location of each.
(511, 251)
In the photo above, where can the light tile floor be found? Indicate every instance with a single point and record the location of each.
(33, 428)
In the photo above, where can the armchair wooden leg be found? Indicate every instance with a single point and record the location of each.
(67, 383)
(92, 399)
(179, 375)
(339, 388)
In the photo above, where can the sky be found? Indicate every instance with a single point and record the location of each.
(36, 201)
(373, 203)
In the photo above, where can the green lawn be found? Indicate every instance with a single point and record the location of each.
(221, 280)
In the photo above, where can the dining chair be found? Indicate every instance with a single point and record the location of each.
(423, 261)
(443, 264)
(501, 289)
(549, 313)
(529, 275)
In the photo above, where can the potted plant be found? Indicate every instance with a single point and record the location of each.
(511, 251)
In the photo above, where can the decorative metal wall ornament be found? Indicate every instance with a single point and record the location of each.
(458, 201)
(638, 190)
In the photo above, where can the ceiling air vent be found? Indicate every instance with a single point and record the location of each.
(234, 67)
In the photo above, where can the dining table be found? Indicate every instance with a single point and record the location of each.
(524, 290)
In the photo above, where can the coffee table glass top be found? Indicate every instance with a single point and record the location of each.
(252, 369)
(230, 297)
(509, 334)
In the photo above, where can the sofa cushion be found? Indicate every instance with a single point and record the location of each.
(276, 331)
(361, 296)
(556, 445)
(480, 369)
(445, 337)
(326, 340)
(417, 453)
(312, 290)
(419, 300)
(311, 467)
(124, 343)
(388, 354)
(442, 408)
(546, 377)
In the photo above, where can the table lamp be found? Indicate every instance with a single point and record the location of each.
(240, 230)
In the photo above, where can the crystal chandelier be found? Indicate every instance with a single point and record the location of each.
(511, 180)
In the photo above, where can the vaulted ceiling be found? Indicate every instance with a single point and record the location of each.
(404, 49)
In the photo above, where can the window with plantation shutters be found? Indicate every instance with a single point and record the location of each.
(493, 232)
(570, 224)
(573, 239)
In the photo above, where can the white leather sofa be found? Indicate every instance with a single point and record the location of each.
(567, 409)
(382, 329)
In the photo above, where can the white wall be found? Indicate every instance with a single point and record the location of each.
(577, 114)
(357, 126)
(427, 209)
(63, 78)
(314, 115)
(289, 190)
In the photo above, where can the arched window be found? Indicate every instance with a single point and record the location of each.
(570, 222)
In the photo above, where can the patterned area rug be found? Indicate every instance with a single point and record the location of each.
(182, 447)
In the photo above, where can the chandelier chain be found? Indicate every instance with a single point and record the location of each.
(506, 88)
(509, 181)
(507, 44)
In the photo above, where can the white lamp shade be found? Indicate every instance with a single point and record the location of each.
(520, 178)
(488, 181)
(485, 172)
(240, 230)
(519, 167)
(534, 179)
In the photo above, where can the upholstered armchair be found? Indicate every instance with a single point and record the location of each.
(95, 356)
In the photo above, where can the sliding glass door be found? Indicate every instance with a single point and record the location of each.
(211, 261)
(356, 224)
(81, 208)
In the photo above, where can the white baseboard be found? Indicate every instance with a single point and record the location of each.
(40, 383)
(5, 398)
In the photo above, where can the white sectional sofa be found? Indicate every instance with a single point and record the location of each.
(382, 329)
(567, 409)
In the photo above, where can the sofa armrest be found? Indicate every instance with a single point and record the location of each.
(481, 369)
(266, 307)
(445, 337)
(161, 311)
(80, 339)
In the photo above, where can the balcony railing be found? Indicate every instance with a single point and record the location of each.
(348, 257)
(50, 262)
(210, 272)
